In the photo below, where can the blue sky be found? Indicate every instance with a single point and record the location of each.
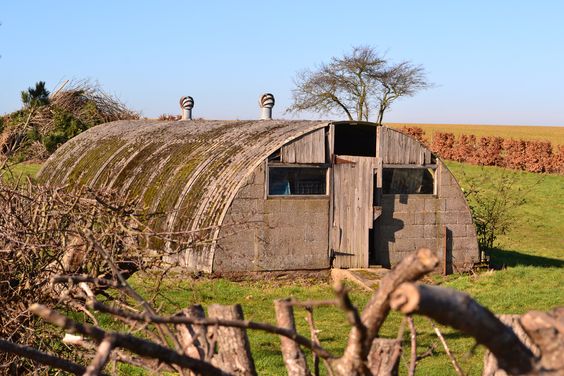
(492, 62)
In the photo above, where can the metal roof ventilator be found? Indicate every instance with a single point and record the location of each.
(266, 102)
(186, 104)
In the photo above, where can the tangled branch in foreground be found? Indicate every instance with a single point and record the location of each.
(68, 252)
(47, 232)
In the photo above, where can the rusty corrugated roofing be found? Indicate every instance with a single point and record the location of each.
(189, 170)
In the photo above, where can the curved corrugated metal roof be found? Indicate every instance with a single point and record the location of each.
(190, 170)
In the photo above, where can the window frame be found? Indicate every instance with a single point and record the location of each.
(270, 164)
(433, 168)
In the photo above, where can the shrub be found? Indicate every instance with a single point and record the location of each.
(493, 200)
(54, 118)
(538, 156)
(557, 162)
(464, 148)
(513, 154)
(488, 152)
(443, 144)
(416, 132)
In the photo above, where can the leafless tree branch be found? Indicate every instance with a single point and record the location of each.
(133, 344)
(291, 334)
(41, 357)
(460, 311)
(356, 83)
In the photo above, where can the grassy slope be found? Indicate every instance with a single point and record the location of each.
(22, 170)
(533, 251)
(553, 134)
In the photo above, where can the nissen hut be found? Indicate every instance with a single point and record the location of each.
(278, 194)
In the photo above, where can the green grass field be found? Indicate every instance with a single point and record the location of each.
(21, 170)
(533, 253)
(553, 134)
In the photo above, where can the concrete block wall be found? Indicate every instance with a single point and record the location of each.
(409, 222)
(259, 234)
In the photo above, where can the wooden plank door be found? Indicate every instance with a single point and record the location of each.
(353, 185)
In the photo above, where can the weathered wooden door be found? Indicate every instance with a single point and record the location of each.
(353, 185)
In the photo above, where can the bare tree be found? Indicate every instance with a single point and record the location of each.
(356, 84)
(399, 80)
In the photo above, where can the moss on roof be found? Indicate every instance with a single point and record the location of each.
(188, 170)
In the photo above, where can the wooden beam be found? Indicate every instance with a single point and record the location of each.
(414, 166)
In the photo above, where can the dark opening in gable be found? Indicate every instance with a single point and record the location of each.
(355, 139)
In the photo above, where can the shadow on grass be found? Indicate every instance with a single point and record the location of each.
(502, 258)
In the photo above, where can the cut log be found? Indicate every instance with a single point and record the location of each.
(294, 358)
(547, 332)
(411, 268)
(491, 368)
(233, 348)
(193, 338)
(384, 357)
(460, 311)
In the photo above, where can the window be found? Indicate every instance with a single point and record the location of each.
(287, 181)
(408, 181)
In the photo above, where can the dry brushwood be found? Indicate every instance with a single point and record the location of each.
(131, 343)
(48, 232)
(234, 357)
(67, 249)
(365, 329)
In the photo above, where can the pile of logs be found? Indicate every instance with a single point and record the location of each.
(532, 344)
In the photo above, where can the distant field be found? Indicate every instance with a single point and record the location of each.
(552, 134)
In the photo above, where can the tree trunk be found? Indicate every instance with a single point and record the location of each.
(547, 332)
(384, 357)
(294, 358)
(193, 338)
(491, 367)
(233, 349)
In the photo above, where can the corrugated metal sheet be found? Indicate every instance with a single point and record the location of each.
(190, 170)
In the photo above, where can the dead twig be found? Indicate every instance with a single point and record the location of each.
(314, 339)
(291, 334)
(102, 356)
(447, 349)
(41, 357)
(133, 344)
(413, 336)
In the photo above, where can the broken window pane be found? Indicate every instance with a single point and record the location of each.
(407, 181)
(296, 181)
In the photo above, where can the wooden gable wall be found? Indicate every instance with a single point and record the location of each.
(395, 148)
(309, 148)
